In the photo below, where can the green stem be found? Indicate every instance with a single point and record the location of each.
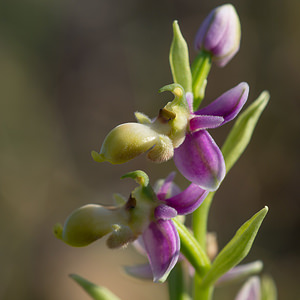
(200, 217)
(176, 283)
(202, 293)
(200, 70)
(191, 249)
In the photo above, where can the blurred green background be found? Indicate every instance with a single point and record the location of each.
(72, 70)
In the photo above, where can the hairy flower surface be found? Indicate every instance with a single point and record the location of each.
(145, 214)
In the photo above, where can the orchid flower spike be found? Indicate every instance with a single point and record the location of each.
(220, 34)
(180, 133)
(145, 214)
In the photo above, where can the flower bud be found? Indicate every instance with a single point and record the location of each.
(220, 34)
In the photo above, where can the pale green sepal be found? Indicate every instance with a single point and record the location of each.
(241, 133)
(179, 59)
(139, 176)
(142, 118)
(237, 249)
(191, 249)
(200, 70)
(95, 291)
(268, 288)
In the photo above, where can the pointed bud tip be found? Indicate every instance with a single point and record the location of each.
(97, 156)
(57, 230)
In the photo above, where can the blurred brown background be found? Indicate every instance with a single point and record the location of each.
(72, 70)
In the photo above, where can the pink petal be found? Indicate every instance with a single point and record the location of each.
(229, 104)
(188, 200)
(164, 212)
(205, 122)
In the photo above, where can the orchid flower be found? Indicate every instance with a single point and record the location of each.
(180, 133)
(198, 158)
(145, 214)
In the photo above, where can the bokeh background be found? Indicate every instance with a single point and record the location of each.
(72, 70)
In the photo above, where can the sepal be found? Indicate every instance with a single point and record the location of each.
(179, 59)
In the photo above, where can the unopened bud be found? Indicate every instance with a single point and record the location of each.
(220, 34)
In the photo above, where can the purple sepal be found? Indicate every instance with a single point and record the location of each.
(162, 245)
(250, 290)
(201, 122)
(188, 200)
(164, 212)
(229, 104)
(139, 271)
(200, 160)
(168, 187)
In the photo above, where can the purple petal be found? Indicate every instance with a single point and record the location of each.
(162, 245)
(229, 104)
(200, 160)
(188, 200)
(168, 188)
(190, 99)
(205, 122)
(139, 271)
(250, 290)
(164, 212)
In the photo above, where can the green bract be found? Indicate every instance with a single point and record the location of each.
(240, 135)
(236, 250)
(179, 60)
(95, 291)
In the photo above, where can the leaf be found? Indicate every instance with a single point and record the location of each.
(95, 291)
(191, 249)
(241, 133)
(237, 249)
(179, 60)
